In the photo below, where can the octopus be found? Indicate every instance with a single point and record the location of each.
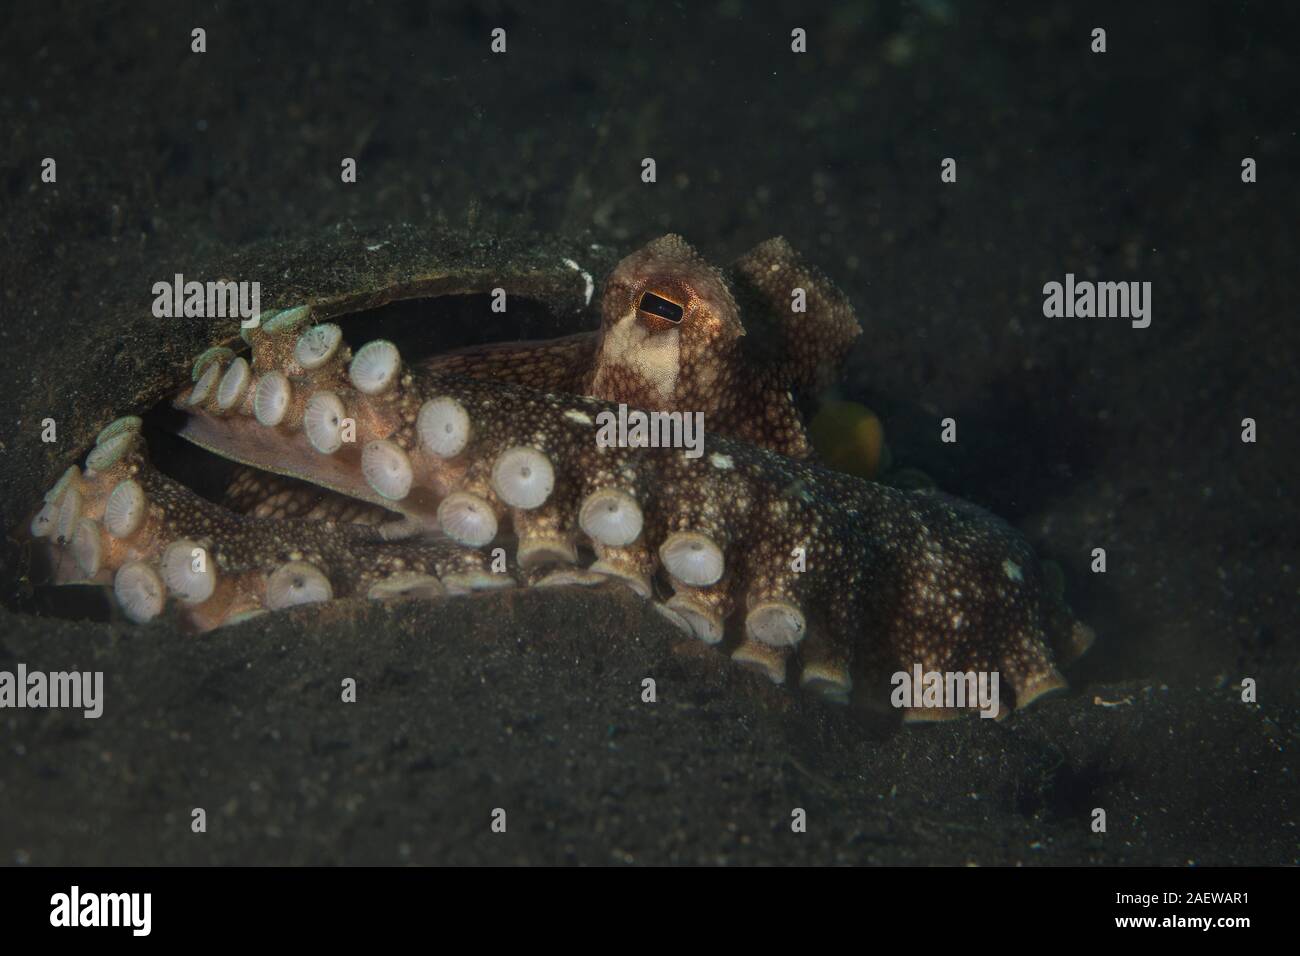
(365, 475)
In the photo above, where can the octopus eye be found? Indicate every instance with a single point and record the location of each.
(660, 308)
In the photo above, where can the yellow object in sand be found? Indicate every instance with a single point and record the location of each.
(849, 438)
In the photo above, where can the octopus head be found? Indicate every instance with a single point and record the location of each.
(668, 320)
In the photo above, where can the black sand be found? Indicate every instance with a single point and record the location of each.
(1083, 432)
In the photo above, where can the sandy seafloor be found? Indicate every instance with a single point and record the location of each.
(1083, 432)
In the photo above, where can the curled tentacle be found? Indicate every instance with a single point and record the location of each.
(799, 571)
(153, 542)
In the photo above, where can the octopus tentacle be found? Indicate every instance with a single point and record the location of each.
(421, 475)
(739, 374)
(553, 365)
(886, 575)
(806, 348)
(150, 538)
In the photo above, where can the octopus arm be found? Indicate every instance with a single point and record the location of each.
(800, 325)
(154, 542)
(552, 365)
(793, 569)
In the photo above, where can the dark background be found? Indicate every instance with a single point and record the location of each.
(1083, 432)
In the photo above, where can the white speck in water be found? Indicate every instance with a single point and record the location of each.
(591, 283)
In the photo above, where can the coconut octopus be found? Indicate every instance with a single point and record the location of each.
(480, 468)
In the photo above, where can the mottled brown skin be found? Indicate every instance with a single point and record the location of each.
(553, 365)
(246, 549)
(886, 579)
(741, 375)
(892, 578)
(262, 495)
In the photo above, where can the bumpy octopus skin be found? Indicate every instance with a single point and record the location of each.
(457, 467)
(672, 339)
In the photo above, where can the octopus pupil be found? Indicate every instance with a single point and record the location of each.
(661, 307)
